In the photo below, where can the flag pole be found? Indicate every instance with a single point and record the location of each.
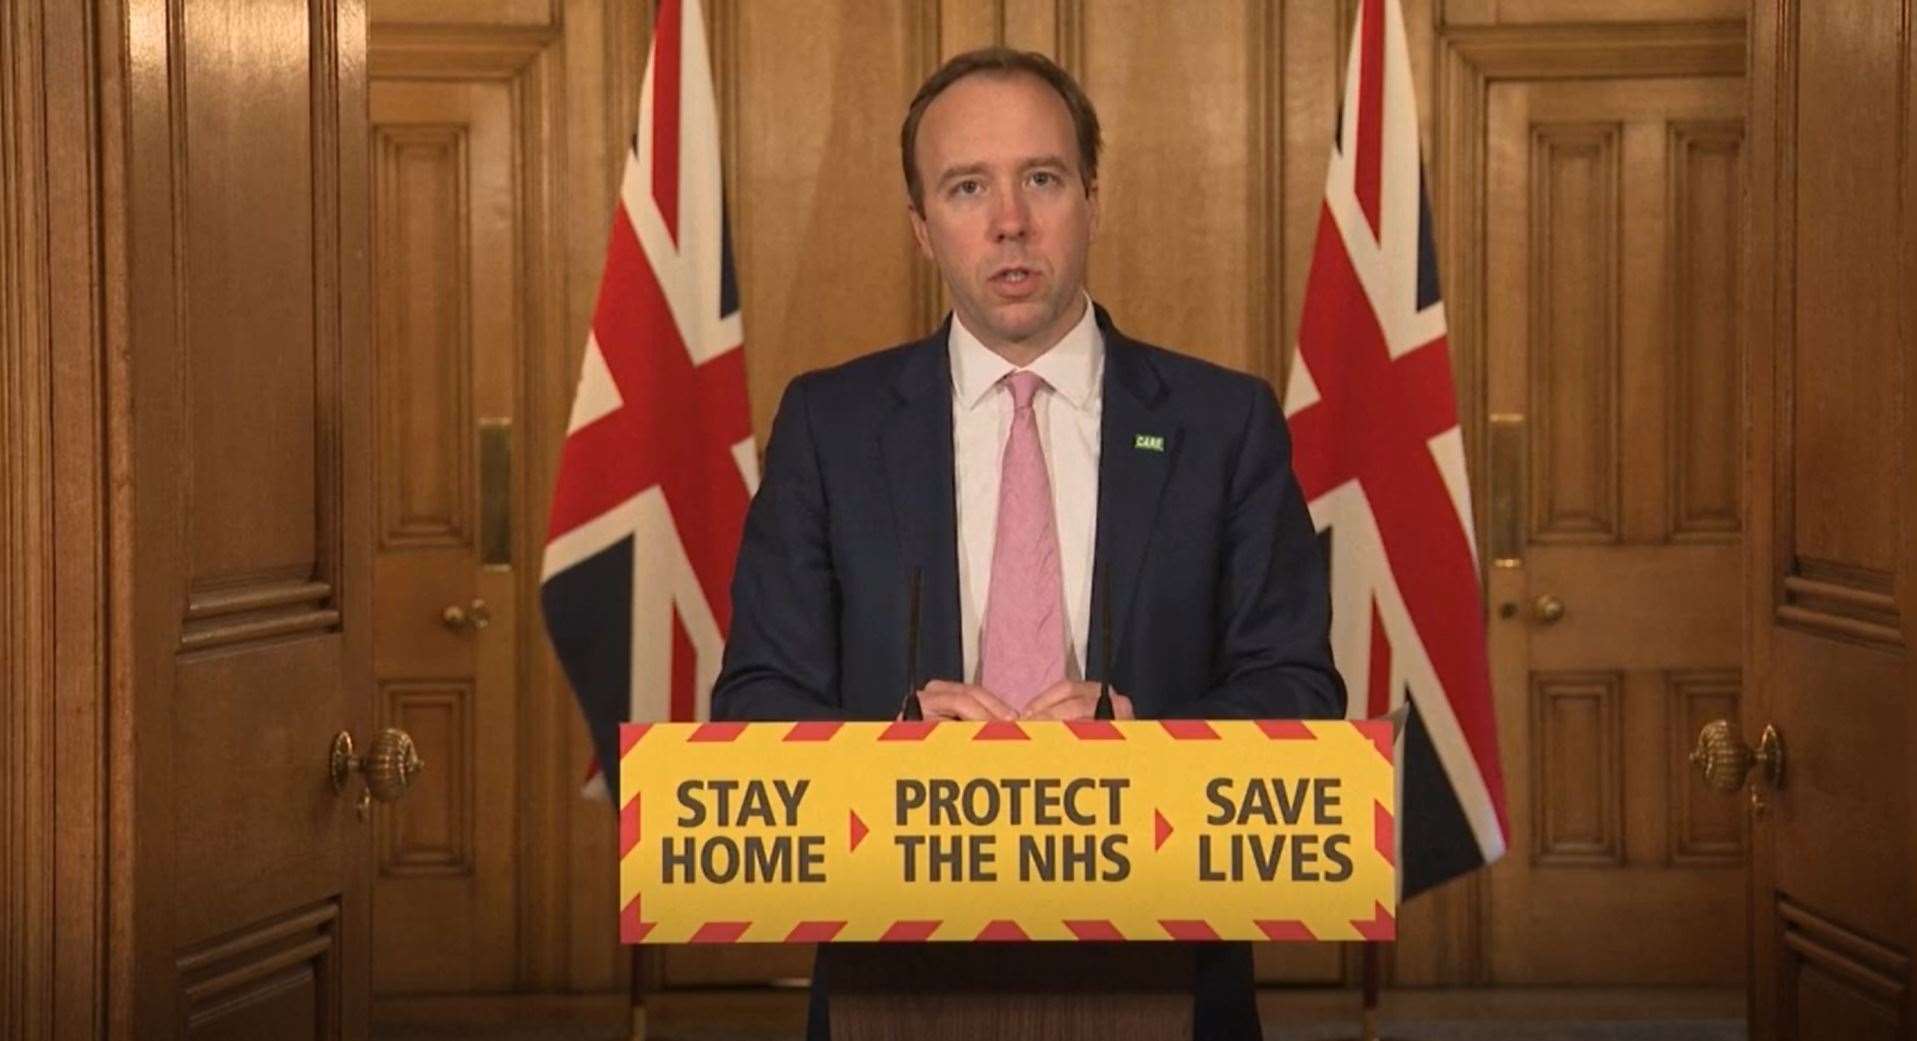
(636, 994)
(1370, 982)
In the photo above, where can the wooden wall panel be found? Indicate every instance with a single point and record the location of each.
(1705, 827)
(420, 300)
(471, 12)
(431, 832)
(1705, 215)
(1577, 769)
(248, 235)
(1574, 360)
(827, 263)
(1847, 164)
(1573, 12)
(1175, 94)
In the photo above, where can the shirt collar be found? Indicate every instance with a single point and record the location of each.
(1071, 367)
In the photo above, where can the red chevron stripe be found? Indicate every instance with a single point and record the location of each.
(631, 929)
(1286, 730)
(629, 735)
(908, 730)
(1286, 929)
(813, 932)
(1188, 929)
(814, 730)
(720, 932)
(629, 826)
(1093, 929)
(1002, 929)
(1379, 732)
(1381, 927)
(1189, 729)
(1094, 730)
(1001, 730)
(1384, 830)
(719, 732)
(909, 931)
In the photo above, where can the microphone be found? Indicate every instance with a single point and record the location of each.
(1104, 708)
(910, 708)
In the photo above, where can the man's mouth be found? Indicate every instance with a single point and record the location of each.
(1013, 276)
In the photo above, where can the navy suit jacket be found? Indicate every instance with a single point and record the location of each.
(1218, 591)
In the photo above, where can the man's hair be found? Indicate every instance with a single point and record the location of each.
(1000, 61)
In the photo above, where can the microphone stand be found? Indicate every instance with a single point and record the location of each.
(910, 708)
(1104, 708)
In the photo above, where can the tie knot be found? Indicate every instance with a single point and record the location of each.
(1024, 384)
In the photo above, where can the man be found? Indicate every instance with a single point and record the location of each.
(1020, 473)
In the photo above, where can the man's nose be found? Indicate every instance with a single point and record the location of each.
(1011, 218)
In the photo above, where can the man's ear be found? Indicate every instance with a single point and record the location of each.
(919, 232)
(1091, 201)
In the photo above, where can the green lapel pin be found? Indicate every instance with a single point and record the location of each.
(1149, 442)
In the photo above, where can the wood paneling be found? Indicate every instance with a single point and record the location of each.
(828, 268)
(277, 979)
(1705, 216)
(1831, 553)
(58, 930)
(1707, 829)
(1848, 169)
(1838, 984)
(421, 301)
(1576, 769)
(1175, 95)
(1582, 337)
(467, 311)
(232, 144)
(1584, 12)
(1574, 312)
(241, 81)
(431, 832)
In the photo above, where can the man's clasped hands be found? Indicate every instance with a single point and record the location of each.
(1066, 699)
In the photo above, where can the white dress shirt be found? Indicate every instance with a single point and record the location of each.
(1068, 416)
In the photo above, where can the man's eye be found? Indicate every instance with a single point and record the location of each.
(1044, 178)
(967, 188)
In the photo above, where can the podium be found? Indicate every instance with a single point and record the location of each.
(963, 992)
(1054, 879)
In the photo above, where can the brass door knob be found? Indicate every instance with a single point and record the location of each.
(1724, 760)
(1547, 608)
(388, 768)
(476, 617)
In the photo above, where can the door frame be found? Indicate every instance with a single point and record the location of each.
(65, 752)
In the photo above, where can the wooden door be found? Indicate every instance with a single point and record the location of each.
(1832, 559)
(1612, 230)
(238, 460)
(449, 305)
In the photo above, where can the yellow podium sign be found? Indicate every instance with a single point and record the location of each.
(1085, 830)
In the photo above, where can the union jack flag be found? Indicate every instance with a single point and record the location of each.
(1379, 454)
(658, 463)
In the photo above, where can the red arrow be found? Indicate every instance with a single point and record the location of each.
(1161, 829)
(858, 829)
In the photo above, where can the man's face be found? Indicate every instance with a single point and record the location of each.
(1007, 216)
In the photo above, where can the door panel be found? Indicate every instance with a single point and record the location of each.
(1612, 232)
(1833, 553)
(246, 442)
(449, 319)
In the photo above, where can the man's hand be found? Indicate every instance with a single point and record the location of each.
(1068, 700)
(943, 699)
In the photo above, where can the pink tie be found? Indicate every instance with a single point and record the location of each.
(1023, 646)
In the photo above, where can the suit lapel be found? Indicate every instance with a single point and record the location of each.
(916, 442)
(1138, 446)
